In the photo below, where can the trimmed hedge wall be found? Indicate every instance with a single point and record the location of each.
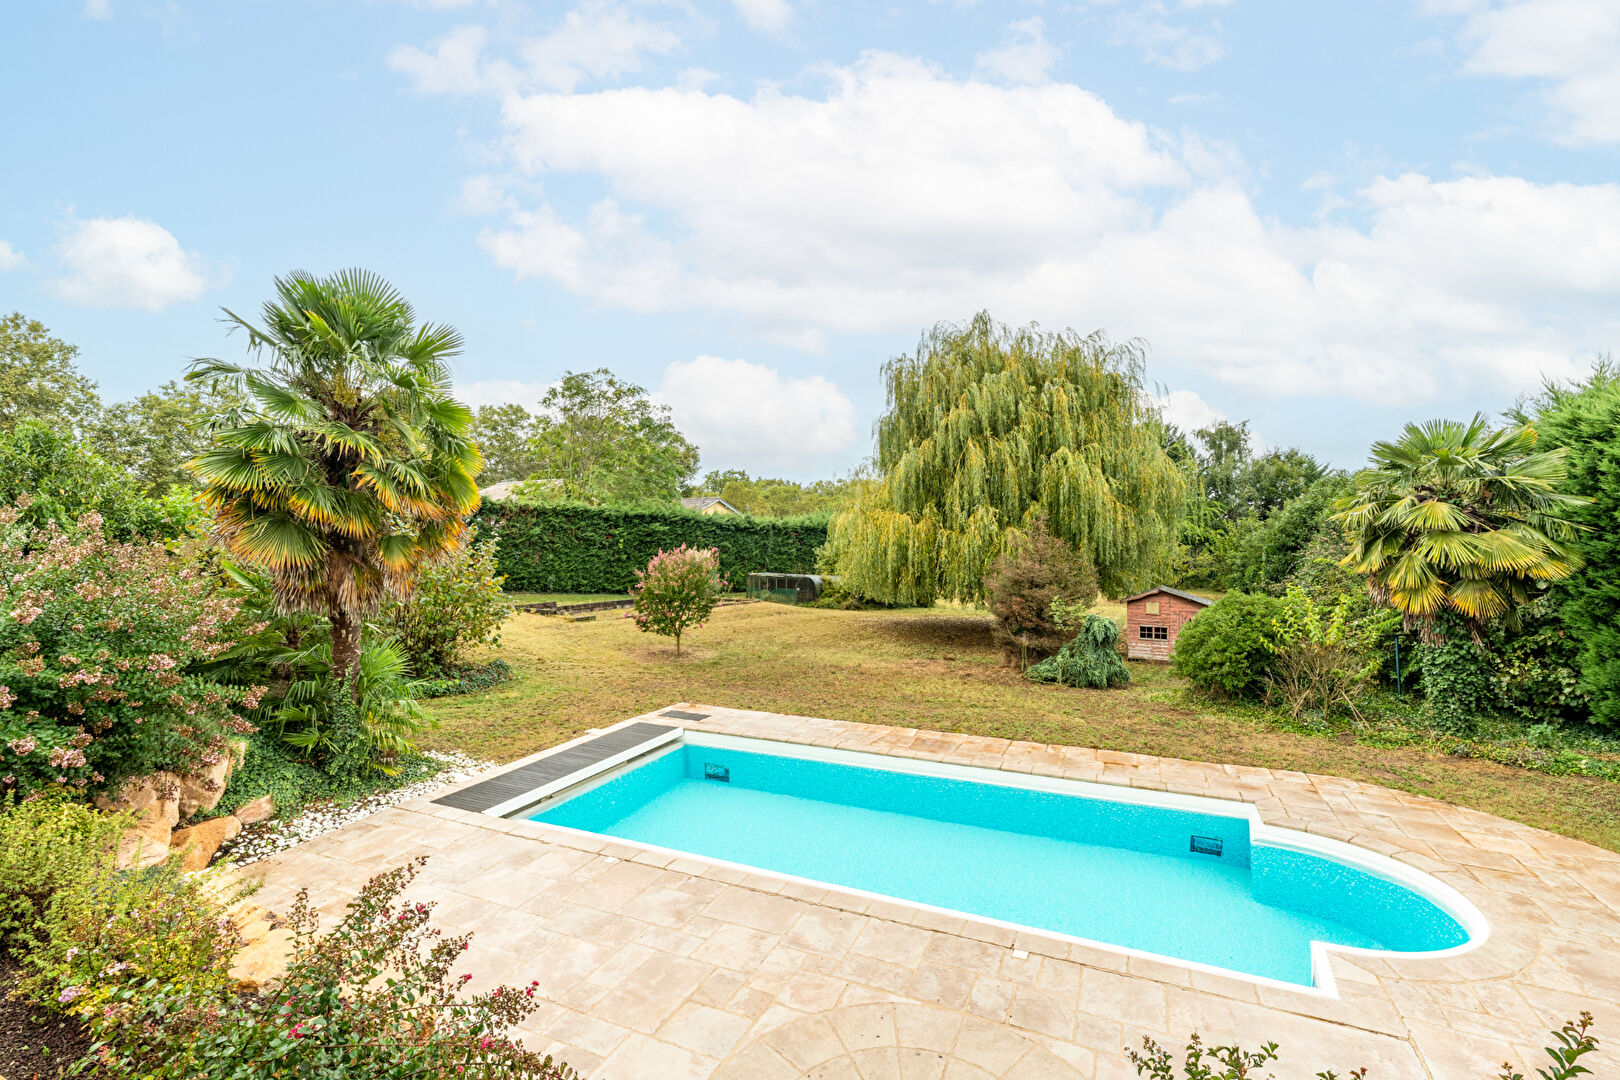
(570, 547)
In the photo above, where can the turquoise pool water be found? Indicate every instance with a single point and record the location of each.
(1164, 880)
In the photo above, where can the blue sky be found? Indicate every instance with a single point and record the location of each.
(1324, 217)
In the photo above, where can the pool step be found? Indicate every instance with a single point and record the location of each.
(525, 785)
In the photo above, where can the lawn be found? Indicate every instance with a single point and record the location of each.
(938, 669)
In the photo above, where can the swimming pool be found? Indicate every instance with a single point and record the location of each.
(1196, 880)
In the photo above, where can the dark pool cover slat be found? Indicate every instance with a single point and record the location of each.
(681, 714)
(525, 778)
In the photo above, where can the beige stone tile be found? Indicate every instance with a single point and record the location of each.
(736, 947)
(891, 943)
(947, 986)
(806, 1042)
(1121, 997)
(825, 931)
(651, 993)
(643, 1058)
(988, 1046)
(1043, 1011)
(862, 1027)
(704, 1030)
(756, 910)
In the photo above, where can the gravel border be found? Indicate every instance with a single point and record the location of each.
(263, 839)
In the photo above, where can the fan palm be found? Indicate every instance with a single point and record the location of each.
(349, 465)
(1460, 518)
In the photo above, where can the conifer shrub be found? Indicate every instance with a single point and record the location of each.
(1037, 569)
(1091, 660)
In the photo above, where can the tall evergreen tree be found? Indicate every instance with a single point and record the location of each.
(989, 428)
(1584, 419)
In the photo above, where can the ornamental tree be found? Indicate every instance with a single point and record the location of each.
(678, 591)
(99, 646)
(988, 429)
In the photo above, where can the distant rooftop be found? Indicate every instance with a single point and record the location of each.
(703, 503)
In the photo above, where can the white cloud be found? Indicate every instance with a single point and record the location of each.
(1188, 411)
(98, 9)
(128, 262)
(767, 16)
(1166, 41)
(742, 414)
(1024, 55)
(10, 257)
(1572, 47)
(900, 196)
(600, 39)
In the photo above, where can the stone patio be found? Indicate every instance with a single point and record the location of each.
(655, 967)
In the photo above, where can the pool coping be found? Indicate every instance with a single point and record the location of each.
(1323, 983)
(1553, 904)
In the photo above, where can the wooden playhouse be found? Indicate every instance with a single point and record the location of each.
(1154, 619)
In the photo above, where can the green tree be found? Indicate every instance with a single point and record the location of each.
(60, 479)
(38, 379)
(769, 497)
(155, 435)
(505, 436)
(351, 465)
(1584, 420)
(607, 442)
(1461, 518)
(987, 429)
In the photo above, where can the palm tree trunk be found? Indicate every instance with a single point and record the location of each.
(345, 645)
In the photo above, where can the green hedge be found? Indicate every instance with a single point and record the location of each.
(570, 547)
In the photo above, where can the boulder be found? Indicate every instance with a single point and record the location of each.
(198, 844)
(261, 809)
(260, 963)
(203, 790)
(155, 802)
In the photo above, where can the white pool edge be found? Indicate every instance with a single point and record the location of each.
(1323, 984)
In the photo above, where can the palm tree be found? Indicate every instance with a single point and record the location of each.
(349, 465)
(1460, 518)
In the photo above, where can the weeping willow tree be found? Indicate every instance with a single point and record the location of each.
(989, 428)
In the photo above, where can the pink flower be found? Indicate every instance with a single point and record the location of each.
(23, 746)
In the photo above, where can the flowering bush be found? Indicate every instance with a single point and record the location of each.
(678, 591)
(454, 607)
(99, 640)
(373, 997)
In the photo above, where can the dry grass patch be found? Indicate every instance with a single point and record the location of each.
(938, 669)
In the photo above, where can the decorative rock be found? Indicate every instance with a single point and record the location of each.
(261, 809)
(198, 843)
(203, 790)
(156, 804)
(239, 748)
(261, 962)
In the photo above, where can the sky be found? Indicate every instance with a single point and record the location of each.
(1325, 217)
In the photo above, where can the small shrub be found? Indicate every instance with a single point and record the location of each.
(1037, 569)
(1212, 1062)
(1575, 1041)
(46, 844)
(1316, 666)
(1229, 648)
(454, 608)
(467, 679)
(373, 997)
(678, 591)
(1202, 1062)
(1092, 659)
(113, 938)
